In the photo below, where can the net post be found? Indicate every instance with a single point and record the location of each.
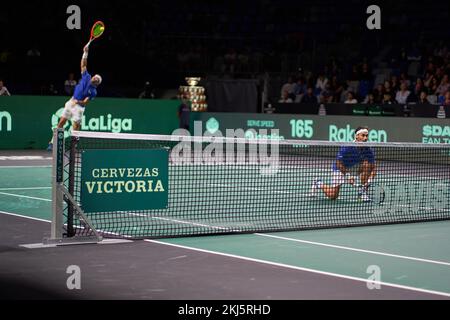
(57, 180)
(71, 186)
(60, 195)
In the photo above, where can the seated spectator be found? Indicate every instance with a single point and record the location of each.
(404, 79)
(285, 98)
(412, 98)
(378, 93)
(395, 85)
(309, 97)
(444, 86)
(321, 82)
(388, 87)
(423, 98)
(370, 99)
(3, 90)
(350, 98)
(388, 99)
(418, 87)
(299, 89)
(447, 99)
(288, 87)
(440, 99)
(402, 94)
(337, 88)
(433, 88)
(327, 95)
(69, 84)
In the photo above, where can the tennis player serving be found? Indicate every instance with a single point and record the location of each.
(85, 91)
(348, 158)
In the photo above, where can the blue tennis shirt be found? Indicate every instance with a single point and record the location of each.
(85, 88)
(351, 156)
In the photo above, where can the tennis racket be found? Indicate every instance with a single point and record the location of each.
(375, 192)
(96, 31)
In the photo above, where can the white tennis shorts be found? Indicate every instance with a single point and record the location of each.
(73, 111)
(337, 179)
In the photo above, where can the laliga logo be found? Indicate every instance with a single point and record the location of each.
(55, 120)
(101, 123)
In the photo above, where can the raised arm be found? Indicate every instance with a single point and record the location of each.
(84, 58)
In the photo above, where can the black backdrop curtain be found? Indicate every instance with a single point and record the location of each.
(232, 95)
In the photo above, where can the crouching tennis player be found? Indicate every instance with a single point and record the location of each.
(85, 91)
(350, 157)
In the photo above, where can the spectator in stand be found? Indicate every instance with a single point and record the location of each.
(444, 86)
(321, 82)
(430, 68)
(285, 98)
(387, 87)
(427, 79)
(370, 99)
(337, 89)
(434, 85)
(402, 94)
(289, 88)
(69, 84)
(309, 97)
(299, 89)
(353, 80)
(430, 85)
(439, 74)
(447, 99)
(395, 85)
(412, 98)
(350, 98)
(3, 90)
(418, 87)
(378, 93)
(327, 95)
(441, 99)
(423, 98)
(404, 79)
(388, 99)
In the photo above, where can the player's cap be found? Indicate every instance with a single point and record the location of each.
(98, 77)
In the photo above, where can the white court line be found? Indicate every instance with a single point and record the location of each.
(315, 243)
(277, 264)
(49, 221)
(388, 284)
(22, 216)
(21, 196)
(30, 188)
(355, 249)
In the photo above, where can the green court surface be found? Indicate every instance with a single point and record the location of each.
(415, 256)
(205, 199)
